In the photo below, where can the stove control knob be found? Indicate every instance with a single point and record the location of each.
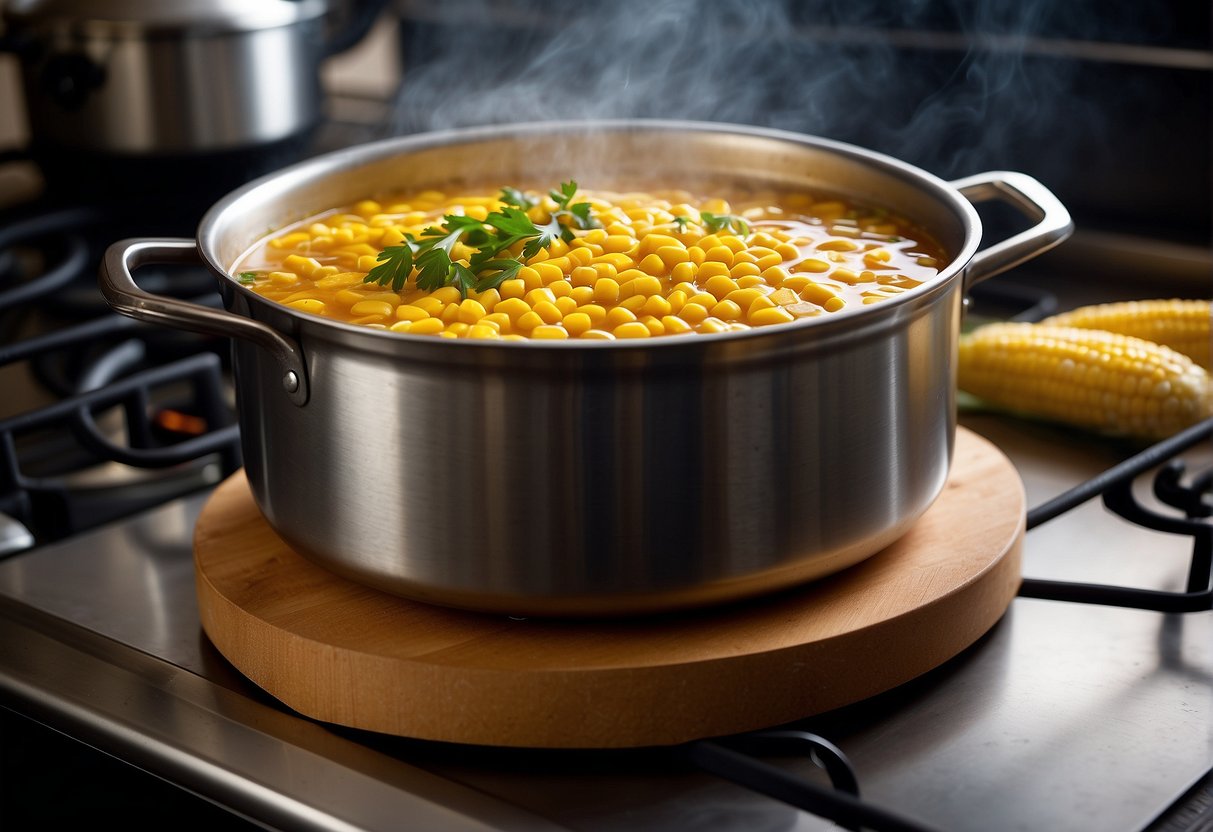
(69, 77)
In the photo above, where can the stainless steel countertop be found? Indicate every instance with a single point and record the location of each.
(1064, 716)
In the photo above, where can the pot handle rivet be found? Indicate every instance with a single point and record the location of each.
(121, 292)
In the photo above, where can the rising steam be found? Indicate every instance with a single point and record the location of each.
(855, 71)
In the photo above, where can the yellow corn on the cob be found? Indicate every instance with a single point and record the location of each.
(1104, 381)
(1182, 325)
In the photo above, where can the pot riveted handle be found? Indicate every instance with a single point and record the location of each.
(1053, 223)
(120, 291)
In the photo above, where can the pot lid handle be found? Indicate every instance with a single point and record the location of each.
(121, 292)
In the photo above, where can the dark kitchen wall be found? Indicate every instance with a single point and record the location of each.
(1108, 103)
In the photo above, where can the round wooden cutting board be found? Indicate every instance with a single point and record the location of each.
(343, 653)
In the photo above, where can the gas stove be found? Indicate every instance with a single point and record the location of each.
(1089, 705)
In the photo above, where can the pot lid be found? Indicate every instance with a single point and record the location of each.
(132, 17)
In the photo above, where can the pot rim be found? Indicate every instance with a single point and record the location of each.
(333, 163)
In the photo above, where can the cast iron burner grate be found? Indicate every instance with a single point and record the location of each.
(1192, 496)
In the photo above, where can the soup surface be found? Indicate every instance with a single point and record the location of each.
(569, 263)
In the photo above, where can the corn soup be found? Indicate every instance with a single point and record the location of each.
(607, 265)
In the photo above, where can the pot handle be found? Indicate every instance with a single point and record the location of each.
(1053, 223)
(120, 291)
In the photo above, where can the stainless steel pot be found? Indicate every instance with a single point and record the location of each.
(586, 478)
(133, 93)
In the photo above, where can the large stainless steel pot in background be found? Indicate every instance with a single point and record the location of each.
(137, 94)
(581, 477)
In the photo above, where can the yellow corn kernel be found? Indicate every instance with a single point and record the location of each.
(631, 329)
(712, 325)
(744, 270)
(548, 273)
(459, 328)
(647, 285)
(431, 305)
(618, 243)
(597, 335)
(693, 313)
(488, 298)
(447, 294)
(371, 307)
(605, 270)
(654, 324)
(743, 297)
(718, 286)
(1182, 325)
(760, 302)
(548, 312)
(676, 299)
(597, 313)
(583, 276)
(684, 272)
(726, 310)
(619, 315)
(652, 242)
(618, 260)
(657, 306)
(787, 251)
(366, 262)
(653, 265)
(540, 295)
(719, 254)
(674, 325)
(633, 302)
(336, 281)
(606, 290)
(582, 253)
(834, 304)
(1099, 380)
(283, 278)
(577, 323)
(471, 311)
(428, 326)
(549, 332)
(305, 266)
(512, 288)
(290, 240)
(710, 269)
(559, 288)
(816, 293)
(311, 305)
(775, 275)
(527, 321)
(582, 295)
(696, 255)
(530, 278)
(498, 319)
(770, 315)
(672, 255)
(485, 331)
(811, 265)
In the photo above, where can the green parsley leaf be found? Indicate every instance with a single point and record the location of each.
(507, 269)
(247, 277)
(395, 266)
(515, 197)
(681, 222)
(430, 256)
(720, 222)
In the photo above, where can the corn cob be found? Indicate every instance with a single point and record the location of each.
(1182, 325)
(1107, 382)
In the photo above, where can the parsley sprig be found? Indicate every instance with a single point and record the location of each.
(488, 267)
(720, 222)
